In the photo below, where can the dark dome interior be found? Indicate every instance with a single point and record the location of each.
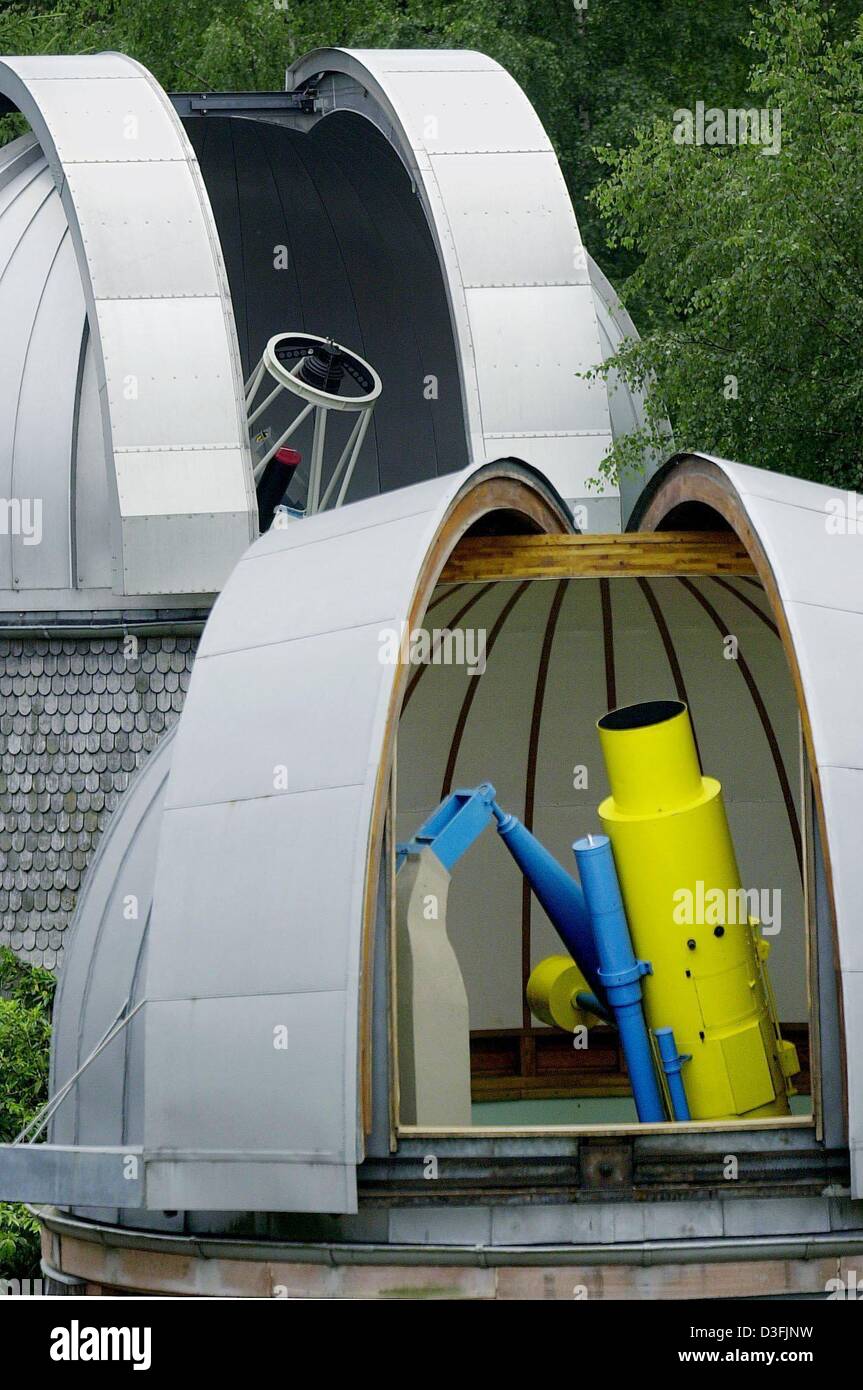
(322, 232)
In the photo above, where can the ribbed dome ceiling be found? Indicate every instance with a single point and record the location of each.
(559, 655)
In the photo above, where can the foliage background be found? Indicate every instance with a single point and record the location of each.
(26, 994)
(593, 73)
(733, 265)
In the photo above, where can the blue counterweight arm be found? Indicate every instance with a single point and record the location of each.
(461, 818)
(450, 831)
(557, 893)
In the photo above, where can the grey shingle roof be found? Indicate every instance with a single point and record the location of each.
(76, 719)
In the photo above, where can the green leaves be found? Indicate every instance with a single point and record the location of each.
(743, 271)
(25, 984)
(749, 290)
(26, 993)
(19, 1243)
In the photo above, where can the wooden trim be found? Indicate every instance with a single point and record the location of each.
(556, 1071)
(530, 793)
(392, 972)
(630, 1130)
(813, 991)
(478, 558)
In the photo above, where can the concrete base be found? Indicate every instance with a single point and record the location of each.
(121, 1261)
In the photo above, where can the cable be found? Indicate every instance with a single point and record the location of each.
(28, 1134)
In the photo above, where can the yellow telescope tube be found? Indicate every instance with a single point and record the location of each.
(673, 851)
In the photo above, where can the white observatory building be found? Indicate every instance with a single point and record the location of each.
(281, 372)
(408, 205)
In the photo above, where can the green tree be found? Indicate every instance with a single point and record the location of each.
(26, 993)
(593, 71)
(750, 265)
(735, 265)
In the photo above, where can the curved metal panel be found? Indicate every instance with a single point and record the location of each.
(812, 541)
(51, 446)
(514, 264)
(15, 157)
(44, 444)
(102, 967)
(278, 830)
(32, 232)
(626, 406)
(91, 504)
(161, 321)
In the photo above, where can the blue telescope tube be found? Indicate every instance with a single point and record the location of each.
(558, 894)
(672, 1062)
(619, 971)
